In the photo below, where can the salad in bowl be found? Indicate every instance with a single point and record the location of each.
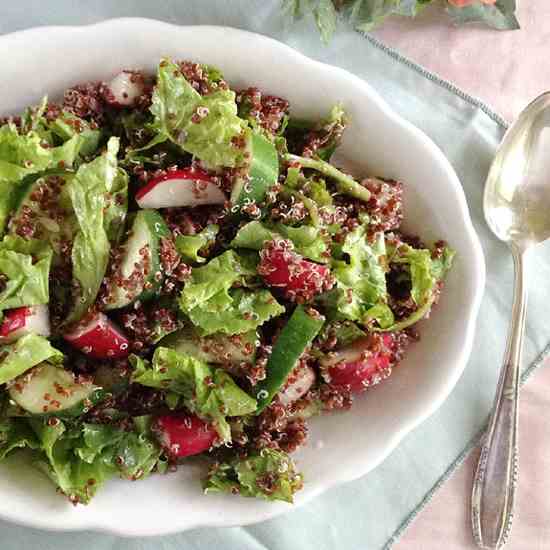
(183, 271)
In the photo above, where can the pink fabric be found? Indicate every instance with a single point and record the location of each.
(506, 70)
(447, 517)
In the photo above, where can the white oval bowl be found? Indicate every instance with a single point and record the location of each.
(48, 60)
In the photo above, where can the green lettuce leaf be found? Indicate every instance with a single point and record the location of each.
(189, 246)
(24, 154)
(116, 207)
(25, 265)
(90, 253)
(442, 264)
(205, 126)
(361, 278)
(15, 433)
(25, 353)
(218, 275)
(80, 458)
(420, 268)
(134, 454)
(345, 332)
(235, 311)
(267, 474)
(307, 239)
(67, 127)
(213, 306)
(210, 393)
(35, 151)
(344, 183)
(74, 477)
(425, 272)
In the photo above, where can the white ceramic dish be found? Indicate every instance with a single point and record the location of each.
(48, 60)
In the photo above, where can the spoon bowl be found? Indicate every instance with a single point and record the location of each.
(517, 191)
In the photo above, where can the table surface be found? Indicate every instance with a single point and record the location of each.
(506, 70)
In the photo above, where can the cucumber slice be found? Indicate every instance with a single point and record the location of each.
(142, 249)
(297, 334)
(264, 172)
(219, 349)
(50, 390)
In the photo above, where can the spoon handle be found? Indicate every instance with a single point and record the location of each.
(496, 476)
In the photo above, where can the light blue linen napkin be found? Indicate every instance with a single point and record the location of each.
(370, 513)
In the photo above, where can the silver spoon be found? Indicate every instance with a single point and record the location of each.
(517, 209)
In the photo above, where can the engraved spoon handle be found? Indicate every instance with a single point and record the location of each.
(496, 475)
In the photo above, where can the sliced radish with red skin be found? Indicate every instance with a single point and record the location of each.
(297, 386)
(183, 435)
(124, 89)
(299, 279)
(25, 320)
(99, 338)
(187, 187)
(356, 367)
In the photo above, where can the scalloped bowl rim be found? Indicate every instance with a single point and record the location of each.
(82, 520)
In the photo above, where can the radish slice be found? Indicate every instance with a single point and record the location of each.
(357, 367)
(25, 320)
(124, 89)
(187, 187)
(99, 338)
(183, 435)
(297, 386)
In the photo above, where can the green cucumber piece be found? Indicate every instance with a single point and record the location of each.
(296, 336)
(218, 348)
(147, 231)
(264, 172)
(50, 390)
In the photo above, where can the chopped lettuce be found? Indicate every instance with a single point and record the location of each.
(360, 276)
(136, 453)
(344, 183)
(307, 239)
(420, 268)
(205, 126)
(90, 253)
(218, 275)
(326, 134)
(381, 313)
(210, 393)
(36, 150)
(25, 265)
(25, 353)
(235, 311)
(15, 433)
(345, 332)
(442, 264)
(269, 474)
(67, 127)
(425, 272)
(24, 154)
(79, 459)
(212, 305)
(116, 206)
(189, 246)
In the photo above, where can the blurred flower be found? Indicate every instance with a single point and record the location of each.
(464, 3)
